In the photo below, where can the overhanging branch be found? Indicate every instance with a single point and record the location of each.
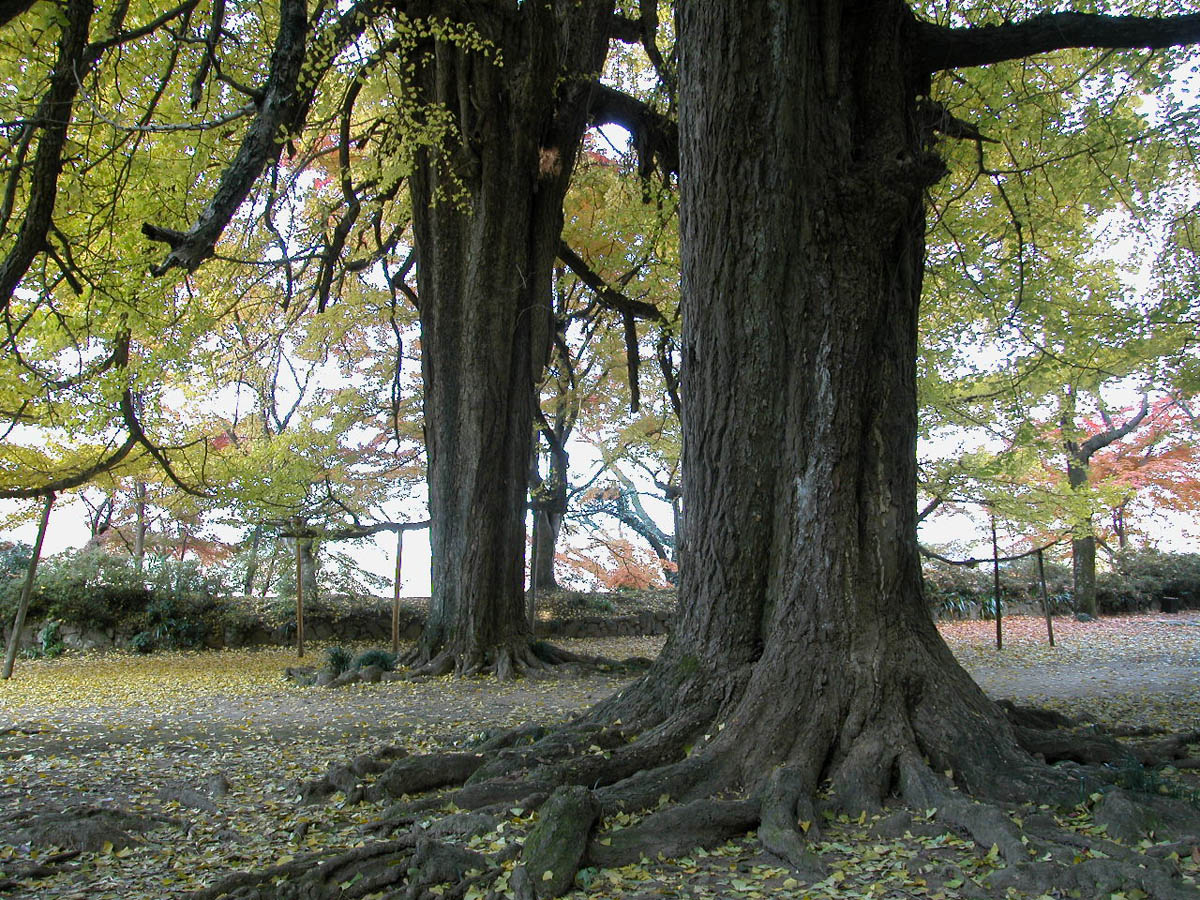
(52, 118)
(938, 47)
(281, 112)
(74, 480)
(655, 137)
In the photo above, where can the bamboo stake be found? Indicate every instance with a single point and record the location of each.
(396, 591)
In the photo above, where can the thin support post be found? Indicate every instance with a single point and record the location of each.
(531, 602)
(299, 599)
(396, 591)
(1045, 597)
(996, 587)
(14, 639)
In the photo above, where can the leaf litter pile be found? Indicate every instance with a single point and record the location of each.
(191, 766)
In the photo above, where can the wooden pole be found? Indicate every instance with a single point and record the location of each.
(396, 591)
(299, 599)
(1045, 598)
(139, 534)
(531, 605)
(27, 590)
(996, 586)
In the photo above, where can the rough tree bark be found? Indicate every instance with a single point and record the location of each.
(487, 213)
(546, 529)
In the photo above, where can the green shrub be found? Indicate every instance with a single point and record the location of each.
(381, 658)
(1141, 578)
(1138, 581)
(964, 591)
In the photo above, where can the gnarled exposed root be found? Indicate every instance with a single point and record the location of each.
(924, 789)
(312, 877)
(687, 763)
(674, 831)
(786, 803)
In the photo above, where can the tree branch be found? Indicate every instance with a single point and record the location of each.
(974, 561)
(281, 112)
(607, 296)
(655, 137)
(11, 9)
(929, 508)
(938, 47)
(82, 477)
(53, 116)
(1102, 439)
(358, 531)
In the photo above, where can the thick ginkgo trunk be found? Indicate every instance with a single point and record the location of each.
(487, 211)
(802, 615)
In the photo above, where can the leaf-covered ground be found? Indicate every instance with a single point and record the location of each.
(149, 734)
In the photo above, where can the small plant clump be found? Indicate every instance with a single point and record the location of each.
(49, 642)
(338, 660)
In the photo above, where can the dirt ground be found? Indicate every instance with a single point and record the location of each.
(149, 735)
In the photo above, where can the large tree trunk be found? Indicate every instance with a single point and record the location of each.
(550, 506)
(252, 562)
(307, 555)
(804, 172)
(487, 211)
(1083, 572)
(1079, 461)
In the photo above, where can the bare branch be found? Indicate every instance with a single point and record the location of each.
(1111, 435)
(210, 52)
(974, 561)
(607, 296)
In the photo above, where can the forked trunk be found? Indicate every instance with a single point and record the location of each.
(487, 208)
